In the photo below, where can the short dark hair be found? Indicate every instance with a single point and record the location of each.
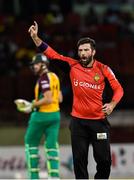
(87, 40)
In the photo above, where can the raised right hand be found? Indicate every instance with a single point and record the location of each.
(33, 30)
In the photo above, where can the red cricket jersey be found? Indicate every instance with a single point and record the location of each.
(88, 85)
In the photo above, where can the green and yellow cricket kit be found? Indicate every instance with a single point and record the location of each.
(45, 121)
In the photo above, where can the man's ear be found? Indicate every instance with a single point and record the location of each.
(94, 52)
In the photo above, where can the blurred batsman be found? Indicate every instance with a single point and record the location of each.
(44, 120)
(89, 123)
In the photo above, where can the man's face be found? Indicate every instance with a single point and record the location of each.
(85, 53)
(37, 68)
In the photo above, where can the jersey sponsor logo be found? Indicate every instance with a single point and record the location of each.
(86, 84)
(96, 77)
(44, 81)
(101, 136)
(45, 86)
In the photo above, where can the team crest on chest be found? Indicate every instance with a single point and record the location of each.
(96, 77)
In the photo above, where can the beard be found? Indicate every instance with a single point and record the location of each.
(85, 62)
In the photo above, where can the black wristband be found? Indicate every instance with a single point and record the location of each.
(43, 46)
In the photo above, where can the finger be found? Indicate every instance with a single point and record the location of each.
(31, 28)
(104, 111)
(105, 105)
(109, 112)
(35, 23)
(104, 108)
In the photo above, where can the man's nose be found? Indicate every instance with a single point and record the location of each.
(82, 51)
(83, 54)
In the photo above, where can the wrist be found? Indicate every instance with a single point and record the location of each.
(34, 36)
(33, 104)
(36, 40)
(43, 46)
(113, 103)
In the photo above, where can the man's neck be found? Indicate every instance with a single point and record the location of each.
(91, 64)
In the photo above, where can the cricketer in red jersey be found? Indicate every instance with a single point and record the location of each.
(89, 124)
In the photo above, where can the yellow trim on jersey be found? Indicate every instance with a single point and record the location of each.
(36, 91)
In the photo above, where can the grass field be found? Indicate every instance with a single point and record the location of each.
(15, 136)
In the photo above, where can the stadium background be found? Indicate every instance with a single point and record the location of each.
(61, 24)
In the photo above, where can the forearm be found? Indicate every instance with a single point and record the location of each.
(41, 102)
(118, 94)
(38, 41)
(113, 103)
(60, 97)
(114, 83)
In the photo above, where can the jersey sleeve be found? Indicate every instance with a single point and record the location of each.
(52, 54)
(114, 83)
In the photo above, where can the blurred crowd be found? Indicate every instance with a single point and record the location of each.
(112, 28)
(61, 24)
